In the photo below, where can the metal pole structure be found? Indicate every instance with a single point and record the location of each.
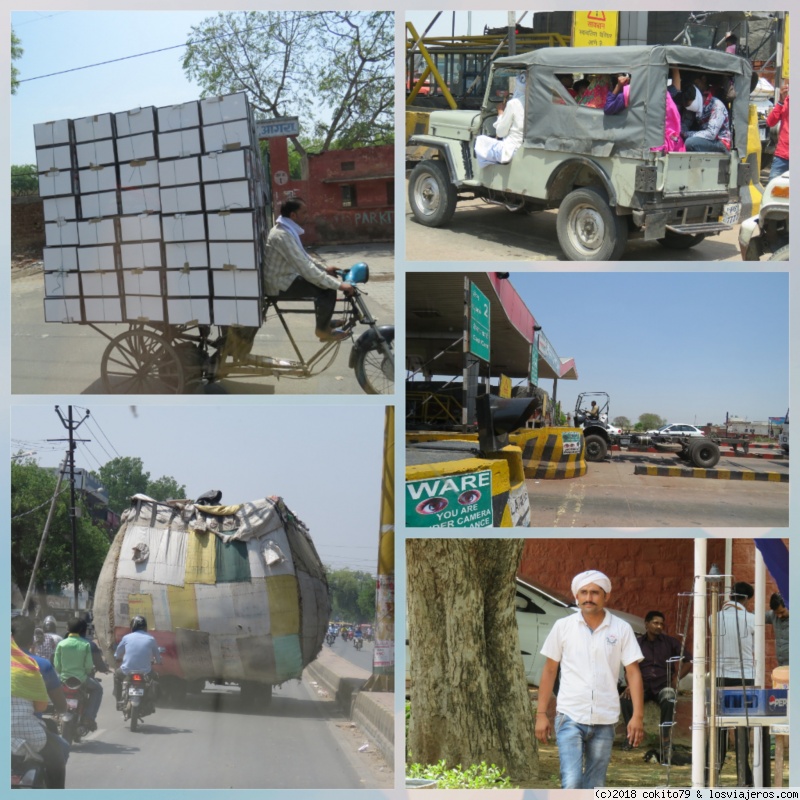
(71, 427)
(713, 586)
(759, 609)
(465, 378)
(512, 33)
(43, 540)
(699, 662)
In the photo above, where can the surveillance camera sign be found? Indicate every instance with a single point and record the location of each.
(450, 501)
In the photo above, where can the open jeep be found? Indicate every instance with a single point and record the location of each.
(606, 174)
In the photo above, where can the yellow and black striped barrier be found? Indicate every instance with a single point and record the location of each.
(551, 453)
(717, 474)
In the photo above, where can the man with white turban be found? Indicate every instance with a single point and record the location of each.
(591, 647)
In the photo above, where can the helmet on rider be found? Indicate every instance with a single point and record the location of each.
(49, 624)
(138, 623)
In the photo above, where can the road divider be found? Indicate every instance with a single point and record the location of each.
(551, 453)
(717, 474)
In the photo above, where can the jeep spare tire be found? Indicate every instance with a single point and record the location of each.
(587, 227)
(431, 194)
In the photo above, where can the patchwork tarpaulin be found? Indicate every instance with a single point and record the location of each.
(232, 592)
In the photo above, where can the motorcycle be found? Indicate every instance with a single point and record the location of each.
(27, 766)
(330, 638)
(139, 692)
(69, 723)
(358, 643)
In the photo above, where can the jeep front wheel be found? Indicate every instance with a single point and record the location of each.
(431, 194)
(587, 227)
(596, 447)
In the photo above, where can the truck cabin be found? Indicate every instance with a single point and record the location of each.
(566, 89)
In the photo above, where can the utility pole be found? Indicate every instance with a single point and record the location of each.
(71, 426)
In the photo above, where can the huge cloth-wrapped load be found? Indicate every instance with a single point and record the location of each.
(233, 593)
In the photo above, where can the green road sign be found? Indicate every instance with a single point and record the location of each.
(479, 323)
(450, 501)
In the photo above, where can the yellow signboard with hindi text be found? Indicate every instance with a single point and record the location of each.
(595, 28)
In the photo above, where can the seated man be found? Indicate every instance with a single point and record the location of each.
(508, 126)
(73, 659)
(290, 273)
(713, 128)
(661, 668)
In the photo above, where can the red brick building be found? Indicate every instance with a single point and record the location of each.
(646, 573)
(350, 193)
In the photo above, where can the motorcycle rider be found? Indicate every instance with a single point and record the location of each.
(73, 659)
(51, 639)
(56, 749)
(136, 650)
(359, 636)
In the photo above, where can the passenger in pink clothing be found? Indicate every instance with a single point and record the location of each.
(780, 114)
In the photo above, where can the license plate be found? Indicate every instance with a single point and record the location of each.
(136, 692)
(762, 133)
(72, 704)
(730, 213)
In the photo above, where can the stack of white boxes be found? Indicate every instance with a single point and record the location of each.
(154, 215)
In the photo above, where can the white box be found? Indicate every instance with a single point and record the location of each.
(96, 154)
(141, 282)
(236, 283)
(60, 258)
(179, 171)
(102, 204)
(225, 255)
(62, 309)
(134, 148)
(181, 199)
(231, 227)
(100, 284)
(188, 283)
(139, 308)
(50, 133)
(228, 196)
(58, 234)
(55, 182)
(140, 201)
(183, 227)
(55, 208)
(97, 179)
(183, 311)
(140, 254)
(88, 129)
(237, 312)
(61, 284)
(142, 227)
(227, 135)
(177, 144)
(102, 309)
(173, 118)
(182, 255)
(224, 108)
(136, 174)
(54, 158)
(226, 166)
(96, 259)
(97, 231)
(137, 120)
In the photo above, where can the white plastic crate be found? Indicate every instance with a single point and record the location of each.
(55, 208)
(184, 115)
(102, 204)
(140, 227)
(226, 136)
(179, 171)
(237, 226)
(97, 259)
(141, 282)
(52, 133)
(98, 126)
(56, 183)
(140, 201)
(62, 284)
(188, 283)
(226, 166)
(136, 174)
(188, 310)
(228, 196)
(61, 233)
(140, 308)
(97, 179)
(224, 108)
(97, 231)
(236, 312)
(100, 284)
(96, 154)
(183, 227)
(60, 258)
(181, 199)
(140, 255)
(134, 148)
(180, 255)
(48, 158)
(102, 309)
(230, 255)
(66, 309)
(236, 283)
(137, 120)
(179, 144)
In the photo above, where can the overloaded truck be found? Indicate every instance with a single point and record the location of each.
(234, 594)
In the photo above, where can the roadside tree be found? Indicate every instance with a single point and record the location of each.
(124, 477)
(352, 595)
(622, 422)
(24, 180)
(16, 53)
(649, 422)
(469, 697)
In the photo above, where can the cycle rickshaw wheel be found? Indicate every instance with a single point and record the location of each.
(141, 362)
(374, 372)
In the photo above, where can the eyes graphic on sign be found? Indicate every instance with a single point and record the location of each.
(432, 505)
(469, 497)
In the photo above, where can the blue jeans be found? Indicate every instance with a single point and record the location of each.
(584, 752)
(95, 698)
(779, 166)
(697, 144)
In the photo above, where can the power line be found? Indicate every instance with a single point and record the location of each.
(38, 19)
(100, 443)
(110, 443)
(41, 505)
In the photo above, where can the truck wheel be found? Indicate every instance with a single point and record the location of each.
(704, 454)
(681, 241)
(587, 227)
(596, 448)
(781, 254)
(431, 194)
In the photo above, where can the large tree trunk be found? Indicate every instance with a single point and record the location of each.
(469, 697)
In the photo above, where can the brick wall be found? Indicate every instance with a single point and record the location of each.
(646, 574)
(27, 226)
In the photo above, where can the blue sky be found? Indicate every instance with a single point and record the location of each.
(325, 461)
(685, 346)
(61, 40)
